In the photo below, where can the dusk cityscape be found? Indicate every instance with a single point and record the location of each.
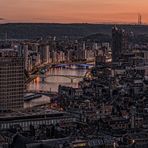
(73, 74)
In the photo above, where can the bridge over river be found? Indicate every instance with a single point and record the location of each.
(71, 77)
(42, 92)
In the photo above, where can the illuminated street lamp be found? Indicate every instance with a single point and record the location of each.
(133, 141)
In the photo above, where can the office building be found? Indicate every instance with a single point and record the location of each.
(11, 80)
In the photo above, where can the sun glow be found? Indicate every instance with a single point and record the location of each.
(90, 11)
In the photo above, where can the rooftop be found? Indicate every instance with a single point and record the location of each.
(37, 113)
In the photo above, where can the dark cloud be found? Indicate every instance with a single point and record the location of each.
(2, 19)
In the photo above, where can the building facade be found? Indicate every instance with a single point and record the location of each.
(119, 43)
(11, 80)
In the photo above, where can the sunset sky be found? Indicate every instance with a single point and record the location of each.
(73, 11)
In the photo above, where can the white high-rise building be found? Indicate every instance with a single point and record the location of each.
(44, 52)
(26, 54)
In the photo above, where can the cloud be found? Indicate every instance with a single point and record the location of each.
(2, 19)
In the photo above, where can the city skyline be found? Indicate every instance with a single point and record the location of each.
(70, 11)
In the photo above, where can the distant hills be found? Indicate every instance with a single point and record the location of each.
(97, 37)
(75, 31)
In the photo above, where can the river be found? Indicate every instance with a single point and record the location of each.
(52, 83)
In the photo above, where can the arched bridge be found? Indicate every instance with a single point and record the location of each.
(71, 77)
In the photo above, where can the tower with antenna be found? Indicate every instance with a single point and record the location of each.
(139, 19)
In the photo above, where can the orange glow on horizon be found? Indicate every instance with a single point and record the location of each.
(73, 11)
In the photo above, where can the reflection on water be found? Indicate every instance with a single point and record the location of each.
(52, 83)
(39, 101)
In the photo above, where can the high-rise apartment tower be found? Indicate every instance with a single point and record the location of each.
(119, 43)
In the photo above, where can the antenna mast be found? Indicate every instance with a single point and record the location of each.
(139, 19)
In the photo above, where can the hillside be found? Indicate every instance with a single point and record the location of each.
(28, 31)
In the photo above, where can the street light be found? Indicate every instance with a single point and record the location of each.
(133, 141)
